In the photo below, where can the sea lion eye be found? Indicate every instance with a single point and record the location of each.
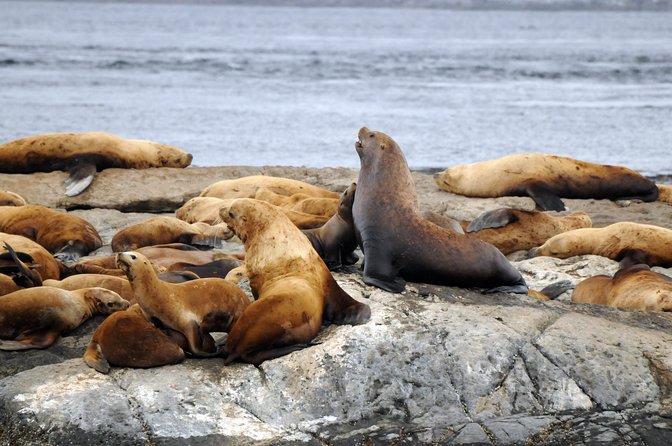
(231, 214)
(371, 135)
(133, 257)
(110, 304)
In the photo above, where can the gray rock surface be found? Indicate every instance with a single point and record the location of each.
(434, 365)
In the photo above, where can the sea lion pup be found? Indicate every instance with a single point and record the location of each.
(163, 230)
(35, 317)
(119, 285)
(128, 339)
(335, 241)
(82, 154)
(66, 236)
(513, 230)
(8, 198)
(399, 245)
(293, 287)
(206, 209)
(247, 187)
(194, 308)
(305, 203)
(635, 286)
(37, 258)
(545, 179)
(625, 242)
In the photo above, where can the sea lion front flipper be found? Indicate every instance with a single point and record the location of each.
(340, 308)
(495, 218)
(515, 289)
(80, 176)
(544, 198)
(94, 358)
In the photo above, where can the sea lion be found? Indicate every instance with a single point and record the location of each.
(399, 245)
(82, 154)
(35, 317)
(247, 187)
(163, 230)
(626, 242)
(8, 285)
(217, 268)
(443, 221)
(335, 241)
(665, 193)
(128, 339)
(635, 286)
(293, 287)
(513, 230)
(22, 275)
(206, 209)
(545, 179)
(304, 203)
(193, 308)
(8, 198)
(119, 285)
(38, 258)
(66, 236)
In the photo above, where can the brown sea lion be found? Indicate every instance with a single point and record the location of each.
(206, 209)
(635, 286)
(119, 285)
(193, 308)
(545, 179)
(304, 203)
(513, 230)
(247, 187)
(8, 285)
(38, 258)
(65, 235)
(8, 198)
(335, 241)
(665, 193)
(82, 154)
(293, 287)
(163, 230)
(128, 339)
(35, 317)
(443, 221)
(626, 242)
(399, 245)
(22, 274)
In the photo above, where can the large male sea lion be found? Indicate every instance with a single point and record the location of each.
(247, 187)
(293, 287)
(545, 179)
(193, 308)
(37, 258)
(626, 242)
(398, 245)
(128, 339)
(64, 235)
(515, 229)
(35, 317)
(8, 198)
(82, 154)
(635, 286)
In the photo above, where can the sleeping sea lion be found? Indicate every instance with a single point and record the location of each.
(626, 242)
(13, 267)
(635, 286)
(119, 285)
(66, 236)
(247, 187)
(545, 179)
(82, 154)
(399, 245)
(304, 203)
(513, 230)
(194, 308)
(8, 198)
(37, 258)
(293, 287)
(665, 193)
(128, 339)
(36, 317)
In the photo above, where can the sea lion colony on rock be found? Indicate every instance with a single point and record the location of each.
(388, 204)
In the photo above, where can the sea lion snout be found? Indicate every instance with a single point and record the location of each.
(124, 260)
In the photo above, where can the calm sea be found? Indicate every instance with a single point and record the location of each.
(238, 85)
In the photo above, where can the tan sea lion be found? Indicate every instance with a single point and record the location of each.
(36, 317)
(626, 242)
(399, 245)
(128, 339)
(163, 230)
(39, 259)
(8, 285)
(247, 187)
(193, 308)
(335, 241)
(665, 193)
(545, 179)
(635, 286)
(293, 287)
(206, 209)
(66, 236)
(119, 285)
(82, 154)
(8, 198)
(513, 230)
(303, 203)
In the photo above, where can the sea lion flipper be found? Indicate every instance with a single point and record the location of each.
(340, 308)
(94, 358)
(515, 289)
(544, 198)
(495, 218)
(80, 176)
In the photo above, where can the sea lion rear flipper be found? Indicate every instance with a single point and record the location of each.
(259, 357)
(495, 218)
(515, 289)
(26, 277)
(80, 177)
(544, 198)
(94, 358)
(340, 308)
(553, 290)
(33, 339)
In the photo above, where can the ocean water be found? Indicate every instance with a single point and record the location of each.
(237, 85)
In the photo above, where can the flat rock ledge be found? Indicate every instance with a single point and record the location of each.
(434, 365)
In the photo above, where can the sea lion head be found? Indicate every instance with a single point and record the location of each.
(104, 300)
(130, 262)
(561, 246)
(345, 203)
(244, 215)
(372, 143)
(171, 156)
(451, 179)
